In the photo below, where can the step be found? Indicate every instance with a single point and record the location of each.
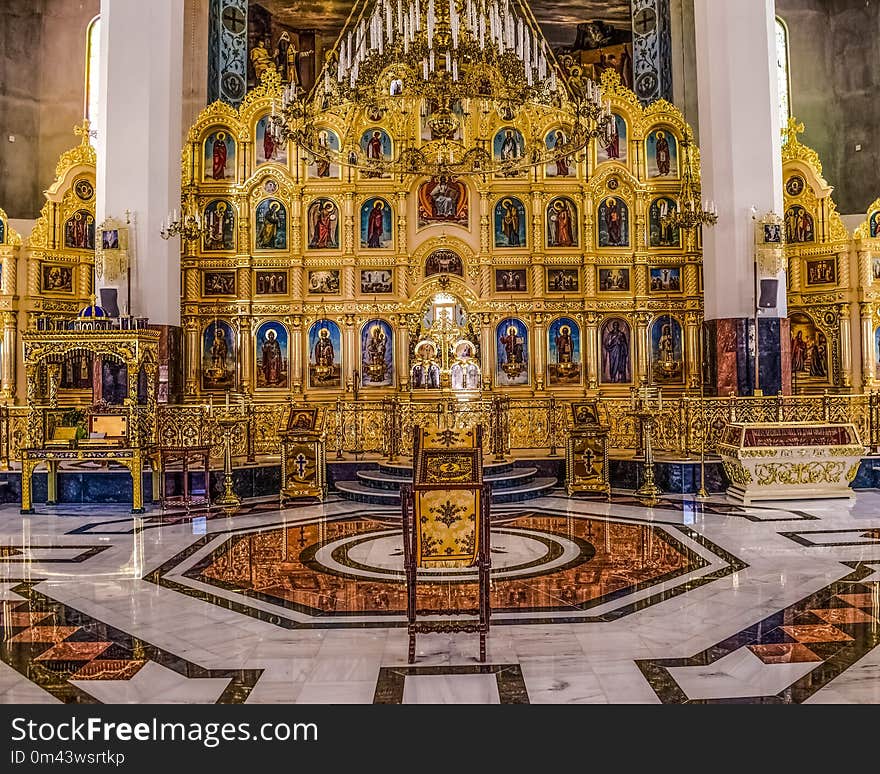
(363, 493)
(405, 469)
(381, 480)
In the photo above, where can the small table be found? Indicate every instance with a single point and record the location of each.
(200, 457)
(132, 458)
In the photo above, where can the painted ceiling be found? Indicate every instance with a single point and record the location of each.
(558, 18)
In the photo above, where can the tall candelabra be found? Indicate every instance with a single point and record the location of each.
(647, 403)
(227, 421)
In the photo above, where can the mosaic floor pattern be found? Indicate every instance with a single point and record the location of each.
(593, 602)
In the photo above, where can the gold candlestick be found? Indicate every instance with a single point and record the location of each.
(229, 498)
(702, 494)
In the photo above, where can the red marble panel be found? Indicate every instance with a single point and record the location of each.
(784, 653)
(816, 633)
(44, 634)
(73, 651)
(844, 615)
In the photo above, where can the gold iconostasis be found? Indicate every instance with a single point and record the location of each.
(314, 279)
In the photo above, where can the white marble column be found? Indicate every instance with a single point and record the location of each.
(138, 145)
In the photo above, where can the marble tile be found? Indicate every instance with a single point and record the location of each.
(450, 689)
(155, 684)
(349, 692)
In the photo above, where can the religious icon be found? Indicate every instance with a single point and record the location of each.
(2, 231)
(772, 234)
(661, 233)
(613, 223)
(302, 419)
(271, 222)
(821, 271)
(662, 154)
(612, 145)
(874, 225)
(218, 283)
(512, 360)
(564, 348)
(425, 372)
(323, 225)
(563, 163)
(376, 146)
(585, 412)
(875, 269)
(665, 279)
(376, 224)
(79, 231)
(563, 280)
(324, 281)
(84, 189)
(443, 200)
(271, 283)
(220, 226)
(376, 281)
(325, 369)
(562, 227)
(268, 146)
(809, 349)
(56, 279)
(511, 281)
(323, 164)
(219, 156)
(615, 338)
(272, 370)
(377, 352)
(510, 223)
(110, 239)
(794, 186)
(444, 261)
(614, 279)
(509, 149)
(798, 225)
(218, 356)
(666, 350)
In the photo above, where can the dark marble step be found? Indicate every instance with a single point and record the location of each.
(404, 469)
(363, 493)
(505, 480)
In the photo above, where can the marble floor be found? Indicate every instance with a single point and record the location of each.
(593, 602)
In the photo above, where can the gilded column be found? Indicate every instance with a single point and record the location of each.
(484, 223)
(537, 221)
(487, 356)
(640, 338)
(591, 349)
(192, 355)
(296, 225)
(348, 224)
(298, 355)
(538, 349)
(869, 360)
(245, 357)
(401, 222)
(349, 362)
(537, 276)
(401, 364)
(845, 345)
(10, 349)
(692, 345)
(485, 280)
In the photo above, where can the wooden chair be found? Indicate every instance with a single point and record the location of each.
(445, 513)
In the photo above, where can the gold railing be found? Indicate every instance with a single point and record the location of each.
(538, 424)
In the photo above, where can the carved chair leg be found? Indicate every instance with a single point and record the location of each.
(482, 646)
(412, 648)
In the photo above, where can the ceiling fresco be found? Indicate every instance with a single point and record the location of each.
(558, 18)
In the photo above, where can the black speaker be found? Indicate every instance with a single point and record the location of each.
(769, 291)
(108, 301)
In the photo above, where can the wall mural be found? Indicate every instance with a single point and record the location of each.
(443, 200)
(323, 220)
(562, 223)
(512, 348)
(809, 350)
(666, 351)
(271, 225)
(268, 148)
(562, 165)
(612, 146)
(219, 355)
(564, 353)
(376, 224)
(325, 355)
(613, 223)
(377, 354)
(799, 225)
(79, 231)
(219, 226)
(272, 356)
(661, 149)
(510, 223)
(324, 166)
(219, 159)
(615, 340)
(660, 232)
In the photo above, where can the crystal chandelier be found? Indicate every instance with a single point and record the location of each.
(444, 60)
(691, 212)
